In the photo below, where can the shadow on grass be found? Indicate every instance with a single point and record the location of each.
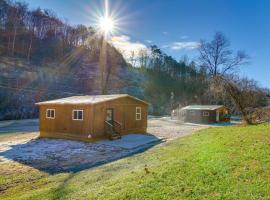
(62, 191)
(56, 155)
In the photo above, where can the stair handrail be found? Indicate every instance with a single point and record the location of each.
(119, 125)
(108, 124)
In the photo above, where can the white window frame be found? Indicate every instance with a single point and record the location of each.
(138, 114)
(73, 115)
(48, 113)
(206, 113)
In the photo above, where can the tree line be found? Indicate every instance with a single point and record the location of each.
(211, 78)
(61, 58)
(86, 61)
(39, 34)
(166, 78)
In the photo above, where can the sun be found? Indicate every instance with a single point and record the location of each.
(106, 24)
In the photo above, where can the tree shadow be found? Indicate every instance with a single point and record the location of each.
(56, 155)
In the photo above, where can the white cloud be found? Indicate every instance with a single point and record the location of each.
(127, 47)
(149, 41)
(165, 32)
(183, 45)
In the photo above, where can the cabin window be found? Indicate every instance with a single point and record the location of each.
(138, 113)
(50, 113)
(192, 112)
(205, 114)
(77, 114)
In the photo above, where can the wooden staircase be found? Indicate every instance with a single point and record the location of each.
(113, 130)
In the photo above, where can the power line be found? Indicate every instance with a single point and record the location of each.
(39, 90)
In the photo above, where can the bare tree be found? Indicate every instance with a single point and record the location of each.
(30, 19)
(143, 58)
(132, 58)
(245, 94)
(109, 63)
(221, 63)
(217, 57)
(18, 12)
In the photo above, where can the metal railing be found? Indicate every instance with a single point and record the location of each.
(113, 128)
(117, 127)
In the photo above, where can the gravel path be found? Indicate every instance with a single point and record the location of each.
(171, 129)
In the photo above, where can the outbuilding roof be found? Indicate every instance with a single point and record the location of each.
(88, 99)
(202, 107)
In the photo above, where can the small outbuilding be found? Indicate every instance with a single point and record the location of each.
(205, 114)
(90, 118)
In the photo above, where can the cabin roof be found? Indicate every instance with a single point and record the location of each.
(203, 107)
(87, 99)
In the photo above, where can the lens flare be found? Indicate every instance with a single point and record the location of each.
(106, 24)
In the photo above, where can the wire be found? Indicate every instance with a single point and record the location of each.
(38, 90)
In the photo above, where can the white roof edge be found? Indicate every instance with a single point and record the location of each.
(135, 98)
(117, 96)
(132, 97)
(202, 107)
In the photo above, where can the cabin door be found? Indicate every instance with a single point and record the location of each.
(109, 115)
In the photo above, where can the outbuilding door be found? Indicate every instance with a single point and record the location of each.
(217, 116)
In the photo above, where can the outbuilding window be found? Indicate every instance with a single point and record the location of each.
(138, 113)
(50, 113)
(205, 114)
(77, 114)
(192, 112)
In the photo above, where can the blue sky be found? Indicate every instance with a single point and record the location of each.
(177, 25)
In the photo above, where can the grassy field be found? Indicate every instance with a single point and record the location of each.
(215, 163)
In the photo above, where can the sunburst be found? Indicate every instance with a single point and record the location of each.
(106, 25)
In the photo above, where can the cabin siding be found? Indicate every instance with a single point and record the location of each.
(63, 122)
(124, 113)
(196, 115)
(92, 127)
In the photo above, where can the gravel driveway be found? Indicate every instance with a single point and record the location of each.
(56, 155)
(168, 129)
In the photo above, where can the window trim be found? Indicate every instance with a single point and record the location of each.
(192, 112)
(206, 115)
(73, 114)
(48, 110)
(138, 113)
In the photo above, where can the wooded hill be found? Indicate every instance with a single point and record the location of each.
(42, 57)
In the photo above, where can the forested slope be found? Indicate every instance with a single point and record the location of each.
(42, 57)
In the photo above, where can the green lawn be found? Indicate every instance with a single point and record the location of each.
(215, 163)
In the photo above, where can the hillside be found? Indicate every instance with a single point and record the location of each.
(215, 163)
(43, 57)
(24, 83)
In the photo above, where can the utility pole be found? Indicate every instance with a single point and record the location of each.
(172, 100)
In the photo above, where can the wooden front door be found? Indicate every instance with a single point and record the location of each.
(109, 115)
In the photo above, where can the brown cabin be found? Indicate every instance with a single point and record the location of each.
(90, 118)
(205, 114)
